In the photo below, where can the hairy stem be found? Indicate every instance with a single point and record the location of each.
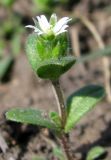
(63, 115)
(60, 101)
(66, 146)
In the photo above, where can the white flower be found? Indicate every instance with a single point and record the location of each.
(42, 26)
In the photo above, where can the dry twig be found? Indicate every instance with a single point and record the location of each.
(74, 32)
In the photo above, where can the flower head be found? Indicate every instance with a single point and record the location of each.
(52, 27)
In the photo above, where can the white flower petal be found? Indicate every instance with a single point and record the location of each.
(30, 26)
(40, 33)
(45, 21)
(61, 23)
(61, 32)
(40, 23)
(35, 29)
(63, 29)
(65, 26)
(44, 24)
(36, 23)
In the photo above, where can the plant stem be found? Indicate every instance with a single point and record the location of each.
(66, 146)
(60, 101)
(63, 116)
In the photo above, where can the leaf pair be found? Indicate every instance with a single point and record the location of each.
(47, 57)
(78, 104)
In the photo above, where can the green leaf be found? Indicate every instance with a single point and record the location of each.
(54, 68)
(4, 66)
(95, 152)
(81, 102)
(31, 51)
(30, 116)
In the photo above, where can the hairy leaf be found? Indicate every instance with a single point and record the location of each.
(30, 116)
(53, 68)
(80, 102)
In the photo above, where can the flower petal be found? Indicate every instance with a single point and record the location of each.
(63, 29)
(61, 23)
(44, 24)
(35, 29)
(45, 21)
(36, 23)
(61, 32)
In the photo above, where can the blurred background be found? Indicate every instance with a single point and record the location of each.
(90, 41)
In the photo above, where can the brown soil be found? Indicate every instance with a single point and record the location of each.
(25, 89)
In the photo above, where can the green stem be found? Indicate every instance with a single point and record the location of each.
(60, 101)
(63, 116)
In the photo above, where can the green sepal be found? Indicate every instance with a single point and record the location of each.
(48, 57)
(32, 53)
(31, 116)
(81, 102)
(53, 19)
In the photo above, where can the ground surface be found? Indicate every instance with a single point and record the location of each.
(24, 89)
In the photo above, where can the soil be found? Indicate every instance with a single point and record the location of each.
(24, 89)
